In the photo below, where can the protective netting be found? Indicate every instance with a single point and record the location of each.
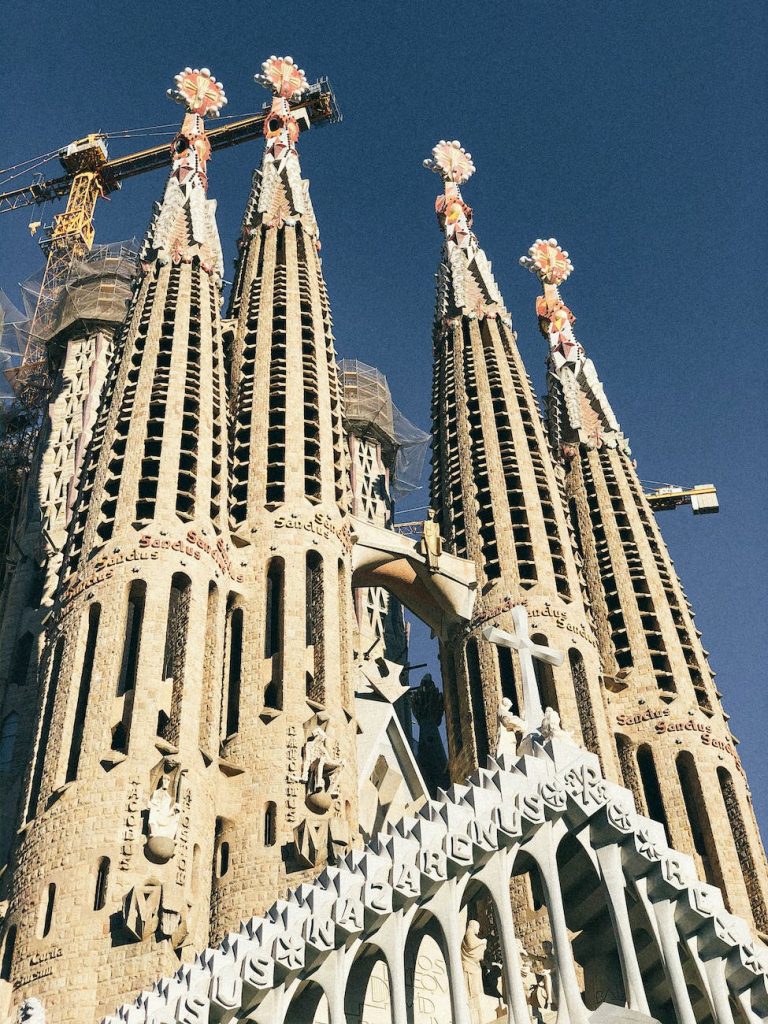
(368, 405)
(96, 288)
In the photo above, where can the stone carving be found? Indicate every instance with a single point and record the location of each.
(527, 650)
(31, 1012)
(472, 953)
(551, 729)
(319, 767)
(511, 726)
(141, 909)
(432, 542)
(162, 822)
(429, 859)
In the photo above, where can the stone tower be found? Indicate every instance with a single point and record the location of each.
(497, 494)
(674, 746)
(80, 331)
(290, 732)
(110, 869)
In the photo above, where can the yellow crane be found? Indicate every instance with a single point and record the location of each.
(702, 498)
(89, 175)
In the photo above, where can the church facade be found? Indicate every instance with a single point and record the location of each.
(205, 718)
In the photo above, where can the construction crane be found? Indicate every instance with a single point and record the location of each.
(90, 175)
(702, 498)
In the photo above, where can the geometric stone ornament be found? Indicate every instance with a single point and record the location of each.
(423, 864)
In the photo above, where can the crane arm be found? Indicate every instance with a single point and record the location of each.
(319, 103)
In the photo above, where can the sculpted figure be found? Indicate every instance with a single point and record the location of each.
(550, 727)
(162, 823)
(319, 766)
(547, 978)
(432, 542)
(472, 952)
(510, 727)
(31, 1012)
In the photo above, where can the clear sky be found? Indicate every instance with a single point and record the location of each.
(633, 131)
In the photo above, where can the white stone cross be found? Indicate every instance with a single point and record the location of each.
(527, 650)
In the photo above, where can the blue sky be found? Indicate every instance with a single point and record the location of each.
(634, 132)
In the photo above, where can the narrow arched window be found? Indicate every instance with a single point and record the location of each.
(223, 858)
(475, 683)
(545, 678)
(507, 677)
(583, 701)
(46, 910)
(698, 819)
(102, 881)
(315, 635)
(45, 728)
(743, 848)
(273, 608)
(270, 824)
(9, 730)
(83, 693)
(234, 670)
(21, 659)
(651, 787)
(6, 964)
(132, 637)
(174, 654)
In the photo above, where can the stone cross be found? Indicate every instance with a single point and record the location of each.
(527, 650)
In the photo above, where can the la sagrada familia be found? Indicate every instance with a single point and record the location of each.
(213, 806)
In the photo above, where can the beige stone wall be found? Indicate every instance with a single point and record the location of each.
(500, 501)
(667, 709)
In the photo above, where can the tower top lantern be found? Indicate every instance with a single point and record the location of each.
(199, 91)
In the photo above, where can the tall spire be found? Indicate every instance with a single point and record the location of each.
(671, 734)
(130, 694)
(579, 412)
(497, 496)
(184, 225)
(289, 515)
(465, 283)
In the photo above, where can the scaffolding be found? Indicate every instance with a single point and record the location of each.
(368, 407)
(95, 291)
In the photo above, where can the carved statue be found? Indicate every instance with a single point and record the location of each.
(472, 953)
(550, 727)
(547, 979)
(31, 1012)
(319, 767)
(162, 822)
(510, 727)
(432, 542)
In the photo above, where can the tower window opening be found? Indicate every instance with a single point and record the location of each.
(21, 659)
(45, 729)
(698, 819)
(651, 787)
(315, 632)
(274, 608)
(9, 730)
(507, 677)
(545, 677)
(102, 881)
(84, 691)
(132, 638)
(174, 655)
(743, 849)
(6, 964)
(234, 671)
(46, 910)
(475, 683)
(222, 865)
(583, 701)
(270, 824)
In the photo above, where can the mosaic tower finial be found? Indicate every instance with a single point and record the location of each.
(552, 265)
(286, 82)
(199, 91)
(451, 161)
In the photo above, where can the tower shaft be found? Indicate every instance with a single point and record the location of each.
(673, 742)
